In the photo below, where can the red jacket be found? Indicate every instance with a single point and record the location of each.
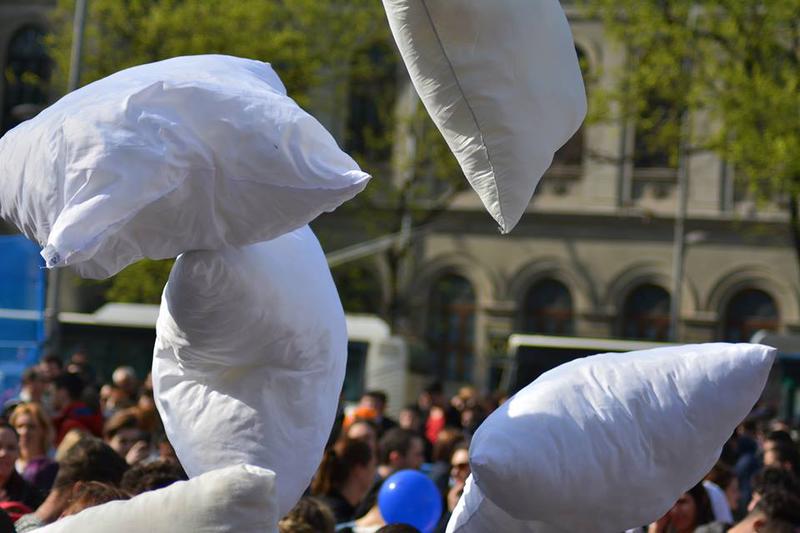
(78, 415)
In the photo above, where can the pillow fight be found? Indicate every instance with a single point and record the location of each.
(239, 426)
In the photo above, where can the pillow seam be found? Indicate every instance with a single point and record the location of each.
(424, 4)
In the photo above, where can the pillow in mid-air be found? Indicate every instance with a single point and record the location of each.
(190, 153)
(249, 360)
(609, 442)
(501, 81)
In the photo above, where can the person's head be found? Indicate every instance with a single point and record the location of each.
(781, 454)
(724, 477)
(152, 476)
(121, 431)
(401, 449)
(459, 463)
(347, 464)
(432, 395)
(34, 429)
(375, 399)
(51, 366)
(88, 459)
(309, 516)
(772, 479)
(365, 431)
(33, 385)
(777, 511)
(124, 377)
(410, 418)
(398, 528)
(692, 509)
(91, 493)
(446, 441)
(68, 388)
(9, 451)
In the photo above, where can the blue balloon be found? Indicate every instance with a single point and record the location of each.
(410, 497)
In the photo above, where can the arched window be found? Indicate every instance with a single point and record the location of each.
(451, 327)
(747, 312)
(359, 288)
(27, 72)
(548, 309)
(571, 154)
(645, 314)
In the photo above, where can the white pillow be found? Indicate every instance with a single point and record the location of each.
(475, 513)
(238, 499)
(184, 154)
(501, 81)
(609, 442)
(250, 358)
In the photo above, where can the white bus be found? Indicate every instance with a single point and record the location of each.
(123, 334)
(529, 356)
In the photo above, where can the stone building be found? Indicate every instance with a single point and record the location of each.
(593, 256)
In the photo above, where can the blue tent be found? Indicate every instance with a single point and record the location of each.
(22, 303)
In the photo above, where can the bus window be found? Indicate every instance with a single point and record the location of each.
(356, 370)
(533, 361)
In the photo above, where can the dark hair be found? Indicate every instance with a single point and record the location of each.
(773, 478)
(73, 384)
(309, 516)
(125, 419)
(721, 475)
(53, 358)
(398, 528)
(30, 374)
(786, 452)
(152, 476)
(338, 462)
(780, 435)
(6, 523)
(435, 388)
(781, 508)
(91, 493)
(702, 503)
(395, 440)
(89, 459)
(377, 395)
(6, 425)
(445, 444)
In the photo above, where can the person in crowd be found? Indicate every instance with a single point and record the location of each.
(781, 454)
(723, 491)
(364, 430)
(13, 488)
(459, 472)
(123, 433)
(6, 523)
(443, 448)
(398, 528)
(399, 449)
(692, 510)
(410, 418)
(89, 459)
(72, 411)
(378, 401)
(777, 511)
(92, 493)
(345, 475)
(164, 449)
(772, 479)
(35, 437)
(51, 366)
(124, 378)
(33, 386)
(152, 476)
(310, 515)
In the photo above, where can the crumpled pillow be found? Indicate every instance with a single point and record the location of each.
(501, 81)
(237, 499)
(191, 153)
(609, 442)
(249, 359)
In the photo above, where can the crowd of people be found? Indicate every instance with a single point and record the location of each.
(69, 442)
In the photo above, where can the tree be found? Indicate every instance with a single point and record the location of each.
(736, 62)
(338, 60)
(310, 43)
